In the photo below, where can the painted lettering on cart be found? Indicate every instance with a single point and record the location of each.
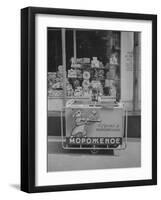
(108, 127)
(94, 140)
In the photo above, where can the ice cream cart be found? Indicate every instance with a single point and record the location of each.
(94, 125)
(88, 120)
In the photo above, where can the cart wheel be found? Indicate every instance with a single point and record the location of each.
(94, 151)
(116, 152)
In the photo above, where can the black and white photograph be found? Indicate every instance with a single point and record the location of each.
(89, 91)
(79, 100)
(93, 99)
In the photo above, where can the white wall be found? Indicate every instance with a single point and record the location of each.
(10, 98)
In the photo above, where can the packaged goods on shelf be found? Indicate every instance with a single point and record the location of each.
(60, 68)
(78, 92)
(79, 73)
(76, 83)
(86, 75)
(99, 74)
(86, 92)
(83, 60)
(95, 84)
(69, 90)
(107, 83)
(59, 74)
(75, 65)
(95, 62)
(86, 60)
(114, 59)
(72, 73)
(113, 91)
(72, 60)
(55, 93)
(51, 79)
(83, 75)
(111, 74)
(57, 85)
(86, 84)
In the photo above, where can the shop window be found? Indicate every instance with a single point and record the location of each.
(54, 49)
(96, 62)
(94, 59)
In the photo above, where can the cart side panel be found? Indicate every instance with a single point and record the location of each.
(100, 122)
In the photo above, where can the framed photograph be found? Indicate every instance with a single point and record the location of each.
(88, 99)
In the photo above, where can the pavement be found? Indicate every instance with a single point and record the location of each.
(60, 159)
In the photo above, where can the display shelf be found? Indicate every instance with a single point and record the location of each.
(81, 97)
(92, 68)
(75, 78)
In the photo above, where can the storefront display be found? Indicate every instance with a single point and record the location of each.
(81, 80)
(86, 73)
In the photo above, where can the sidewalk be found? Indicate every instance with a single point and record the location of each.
(66, 160)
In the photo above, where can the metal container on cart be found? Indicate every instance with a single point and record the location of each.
(94, 125)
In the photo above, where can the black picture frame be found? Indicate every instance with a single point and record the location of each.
(28, 98)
